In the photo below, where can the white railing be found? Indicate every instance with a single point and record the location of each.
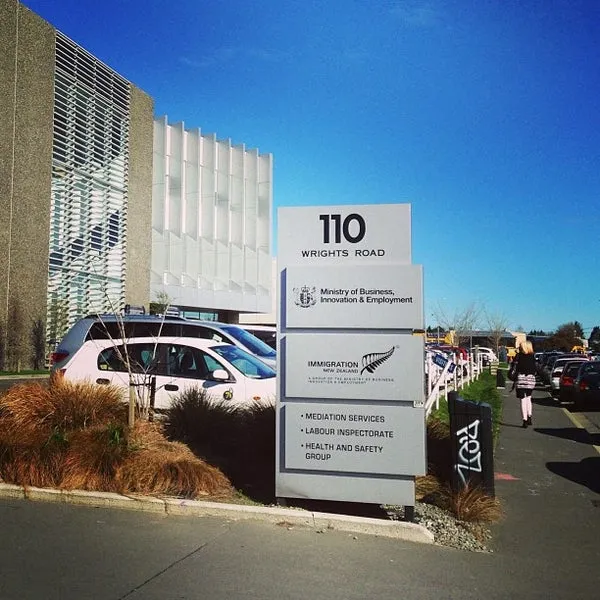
(452, 376)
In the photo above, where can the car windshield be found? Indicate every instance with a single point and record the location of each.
(249, 365)
(251, 342)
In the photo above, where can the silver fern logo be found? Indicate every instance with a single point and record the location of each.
(371, 362)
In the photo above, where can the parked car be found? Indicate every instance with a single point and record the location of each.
(126, 327)
(545, 358)
(567, 378)
(266, 333)
(557, 369)
(586, 388)
(178, 363)
(487, 354)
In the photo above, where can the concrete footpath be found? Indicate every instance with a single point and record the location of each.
(547, 545)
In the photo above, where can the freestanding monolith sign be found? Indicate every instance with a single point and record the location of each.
(350, 417)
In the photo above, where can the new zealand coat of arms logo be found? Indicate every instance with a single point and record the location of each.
(305, 296)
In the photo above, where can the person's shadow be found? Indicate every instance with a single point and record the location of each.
(586, 472)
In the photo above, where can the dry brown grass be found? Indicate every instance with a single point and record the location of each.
(159, 467)
(426, 485)
(437, 429)
(31, 467)
(93, 457)
(470, 504)
(74, 436)
(64, 406)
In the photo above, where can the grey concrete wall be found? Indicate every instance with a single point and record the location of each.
(8, 48)
(139, 211)
(27, 148)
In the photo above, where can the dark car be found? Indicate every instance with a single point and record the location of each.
(586, 388)
(566, 382)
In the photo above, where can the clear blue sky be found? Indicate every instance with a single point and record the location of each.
(483, 114)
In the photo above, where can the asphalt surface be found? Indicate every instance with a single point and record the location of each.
(546, 546)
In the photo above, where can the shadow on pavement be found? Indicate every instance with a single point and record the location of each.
(545, 401)
(574, 434)
(517, 425)
(586, 472)
(374, 511)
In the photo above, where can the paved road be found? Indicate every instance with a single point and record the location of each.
(546, 547)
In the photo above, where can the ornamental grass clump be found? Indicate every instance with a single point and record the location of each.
(159, 467)
(239, 439)
(75, 436)
(470, 504)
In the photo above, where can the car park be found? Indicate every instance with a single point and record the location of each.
(566, 382)
(171, 365)
(548, 365)
(557, 368)
(586, 387)
(545, 359)
(126, 327)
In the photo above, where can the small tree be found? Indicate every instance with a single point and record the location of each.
(496, 324)
(463, 322)
(161, 304)
(594, 339)
(2, 346)
(566, 336)
(15, 338)
(38, 344)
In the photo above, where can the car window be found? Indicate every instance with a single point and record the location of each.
(572, 368)
(592, 367)
(116, 330)
(199, 331)
(186, 361)
(251, 342)
(248, 364)
(142, 358)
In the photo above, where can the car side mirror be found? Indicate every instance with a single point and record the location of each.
(220, 375)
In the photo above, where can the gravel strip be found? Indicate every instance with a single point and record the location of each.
(446, 529)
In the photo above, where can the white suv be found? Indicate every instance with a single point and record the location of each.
(126, 327)
(172, 365)
(489, 356)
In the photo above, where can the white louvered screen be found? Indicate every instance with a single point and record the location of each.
(217, 221)
(88, 220)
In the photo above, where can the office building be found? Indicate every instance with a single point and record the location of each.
(84, 226)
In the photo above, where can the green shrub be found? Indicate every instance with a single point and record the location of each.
(238, 440)
(483, 390)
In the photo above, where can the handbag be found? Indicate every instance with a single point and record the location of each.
(512, 371)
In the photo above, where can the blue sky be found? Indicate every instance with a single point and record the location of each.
(483, 114)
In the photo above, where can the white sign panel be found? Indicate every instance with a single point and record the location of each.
(336, 235)
(353, 367)
(350, 297)
(380, 440)
(350, 373)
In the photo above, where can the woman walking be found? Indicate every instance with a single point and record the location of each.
(525, 382)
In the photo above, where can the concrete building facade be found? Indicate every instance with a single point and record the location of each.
(75, 182)
(102, 205)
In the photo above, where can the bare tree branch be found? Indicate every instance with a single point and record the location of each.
(462, 322)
